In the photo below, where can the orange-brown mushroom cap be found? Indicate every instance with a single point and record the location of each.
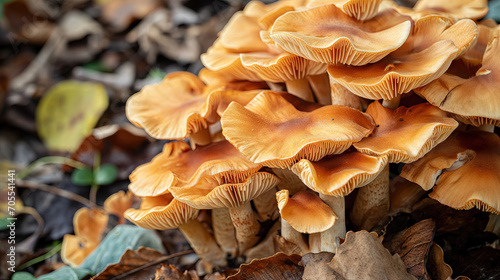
(172, 109)
(305, 211)
(463, 171)
(161, 212)
(339, 175)
(424, 57)
(330, 36)
(472, 9)
(89, 225)
(242, 34)
(117, 203)
(358, 9)
(475, 100)
(270, 131)
(406, 134)
(178, 163)
(282, 67)
(210, 193)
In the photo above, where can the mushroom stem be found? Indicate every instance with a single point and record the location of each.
(393, 103)
(315, 242)
(203, 243)
(340, 95)
(300, 88)
(224, 231)
(372, 201)
(200, 138)
(246, 225)
(321, 87)
(487, 127)
(266, 205)
(293, 236)
(328, 242)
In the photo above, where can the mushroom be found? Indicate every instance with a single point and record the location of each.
(472, 9)
(403, 135)
(472, 101)
(331, 37)
(304, 212)
(312, 135)
(334, 177)
(89, 225)
(172, 109)
(424, 57)
(165, 212)
(463, 171)
(236, 195)
(358, 9)
(117, 203)
(179, 164)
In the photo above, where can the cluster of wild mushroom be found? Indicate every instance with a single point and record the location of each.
(299, 105)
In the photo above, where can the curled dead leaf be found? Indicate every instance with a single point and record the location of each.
(278, 266)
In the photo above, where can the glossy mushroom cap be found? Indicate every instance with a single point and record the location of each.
(330, 36)
(358, 9)
(210, 193)
(406, 134)
(178, 163)
(424, 57)
(339, 175)
(475, 100)
(305, 211)
(172, 109)
(161, 212)
(463, 171)
(270, 131)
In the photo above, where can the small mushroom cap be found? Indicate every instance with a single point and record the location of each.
(179, 164)
(424, 57)
(117, 203)
(333, 37)
(305, 211)
(474, 56)
(465, 170)
(89, 225)
(358, 9)
(267, 14)
(281, 68)
(406, 134)
(270, 131)
(242, 34)
(227, 64)
(339, 175)
(161, 212)
(475, 100)
(472, 9)
(210, 193)
(172, 109)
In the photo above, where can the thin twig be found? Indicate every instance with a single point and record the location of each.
(160, 260)
(57, 191)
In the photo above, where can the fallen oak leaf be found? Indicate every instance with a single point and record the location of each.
(316, 266)
(415, 246)
(362, 256)
(278, 266)
(138, 264)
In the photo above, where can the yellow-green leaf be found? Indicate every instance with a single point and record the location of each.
(68, 112)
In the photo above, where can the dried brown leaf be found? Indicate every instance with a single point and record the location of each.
(279, 266)
(139, 264)
(362, 256)
(170, 272)
(436, 267)
(416, 243)
(316, 266)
